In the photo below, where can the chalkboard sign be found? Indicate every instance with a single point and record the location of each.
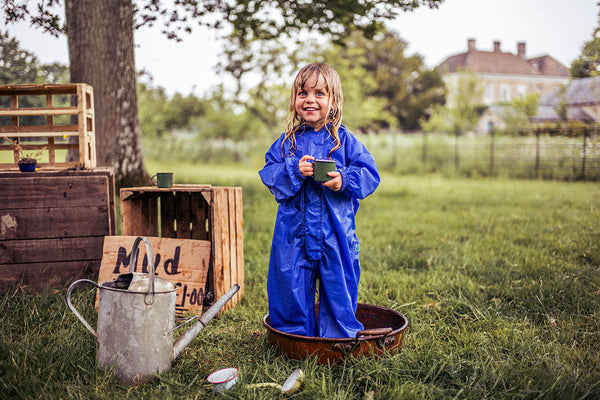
(183, 261)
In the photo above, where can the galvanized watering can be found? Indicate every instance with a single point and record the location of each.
(136, 317)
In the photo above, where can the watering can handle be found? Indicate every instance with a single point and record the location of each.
(133, 260)
(83, 321)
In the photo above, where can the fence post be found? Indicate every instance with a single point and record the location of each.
(394, 149)
(492, 150)
(537, 153)
(456, 149)
(424, 150)
(583, 155)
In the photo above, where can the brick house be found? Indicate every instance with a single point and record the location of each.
(504, 75)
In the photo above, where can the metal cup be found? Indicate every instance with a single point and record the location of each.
(321, 168)
(163, 179)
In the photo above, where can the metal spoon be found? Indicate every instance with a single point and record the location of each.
(291, 384)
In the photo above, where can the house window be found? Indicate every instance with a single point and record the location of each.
(504, 93)
(521, 90)
(488, 94)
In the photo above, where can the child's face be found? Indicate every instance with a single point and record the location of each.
(312, 102)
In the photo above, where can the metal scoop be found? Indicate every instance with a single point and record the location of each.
(291, 384)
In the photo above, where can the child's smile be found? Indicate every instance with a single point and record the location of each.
(312, 102)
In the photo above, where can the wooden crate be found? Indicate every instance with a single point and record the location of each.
(200, 212)
(51, 132)
(52, 225)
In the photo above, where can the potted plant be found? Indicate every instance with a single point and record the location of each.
(27, 161)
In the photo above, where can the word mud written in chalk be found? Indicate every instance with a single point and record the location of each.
(170, 265)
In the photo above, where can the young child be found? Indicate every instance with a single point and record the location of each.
(314, 236)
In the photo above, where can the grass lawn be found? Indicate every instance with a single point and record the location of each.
(499, 279)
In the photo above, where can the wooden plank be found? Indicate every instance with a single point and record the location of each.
(36, 89)
(152, 228)
(50, 250)
(167, 215)
(216, 258)
(145, 191)
(176, 260)
(48, 191)
(4, 112)
(105, 171)
(126, 216)
(239, 242)
(40, 130)
(41, 167)
(229, 268)
(111, 204)
(51, 151)
(14, 103)
(182, 215)
(45, 274)
(51, 222)
(138, 216)
(216, 266)
(221, 242)
(198, 216)
(57, 146)
(81, 120)
(88, 126)
(51, 139)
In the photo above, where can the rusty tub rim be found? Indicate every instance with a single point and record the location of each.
(336, 340)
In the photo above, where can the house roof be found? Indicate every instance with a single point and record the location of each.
(578, 92)
(497, 61)
(548, 113)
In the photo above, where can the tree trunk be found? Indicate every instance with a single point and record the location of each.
(100, 37)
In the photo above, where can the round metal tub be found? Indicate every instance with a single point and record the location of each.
(384, 331)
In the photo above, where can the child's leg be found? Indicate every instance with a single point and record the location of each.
(338, 293)
(292, 298)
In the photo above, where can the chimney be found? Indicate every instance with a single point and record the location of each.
(496, 46)
(521, 49)
(471, 45)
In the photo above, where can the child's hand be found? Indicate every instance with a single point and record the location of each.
(306, 168)
(334, 184)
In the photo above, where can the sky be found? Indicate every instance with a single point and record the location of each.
(557, 28)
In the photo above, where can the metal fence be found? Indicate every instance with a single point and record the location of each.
(540, 154)
(572, 154)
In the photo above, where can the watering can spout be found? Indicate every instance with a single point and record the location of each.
(189, 335)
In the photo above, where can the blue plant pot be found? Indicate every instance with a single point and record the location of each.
(27, 167)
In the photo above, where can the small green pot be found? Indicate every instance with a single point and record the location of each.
(321, 168)
(163, 179)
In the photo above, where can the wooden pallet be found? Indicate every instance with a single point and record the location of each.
(199, 212)
(53, 134)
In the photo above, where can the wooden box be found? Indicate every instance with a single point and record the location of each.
(53, 224)
(47, 116)
(200, 212)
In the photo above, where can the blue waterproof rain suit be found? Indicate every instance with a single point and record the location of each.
(314, 236)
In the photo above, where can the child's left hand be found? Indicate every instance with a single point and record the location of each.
(334, 184)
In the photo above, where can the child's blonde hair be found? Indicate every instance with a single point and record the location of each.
(336, 98)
